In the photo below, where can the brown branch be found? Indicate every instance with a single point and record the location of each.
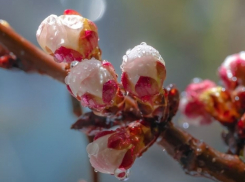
(197, 158)
(30, 56)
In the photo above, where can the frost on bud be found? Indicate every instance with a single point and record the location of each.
(94, 83)
(218, 103)
(143, 71)
(190, 104)
(232, 71)
(114, 152)
(69, 37)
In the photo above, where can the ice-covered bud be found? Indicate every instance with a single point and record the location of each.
(190, 104)
(218, 103)
(94, 83)
(69, 37)
(114, 152)
(143, 71)
(232, 70)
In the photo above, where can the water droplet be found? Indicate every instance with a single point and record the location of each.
(186, 125)
(122, 174)
(164, 150)
(237, 98)
(143, 43)
(74, 63)
(214, 159)
(95, 171)
(196, 80)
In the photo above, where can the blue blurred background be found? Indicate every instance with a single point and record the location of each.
(193, 36)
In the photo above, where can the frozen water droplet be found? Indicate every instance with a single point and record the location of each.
(95, 171)
(139, 56)
(214, 159)
(143, 52)
(122, 174)
(143, 43)
(74, 63)
(164, 150)
(196, 80)
(186, 125)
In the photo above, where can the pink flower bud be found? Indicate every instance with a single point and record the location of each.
(232, 70)
(114, 152)
(143, 71)
(69, 37)
(94, 83)
(191, 105)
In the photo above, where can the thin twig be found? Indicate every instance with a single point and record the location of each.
(32, 58)
(199, 159)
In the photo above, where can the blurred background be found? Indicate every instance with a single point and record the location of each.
(193, 37)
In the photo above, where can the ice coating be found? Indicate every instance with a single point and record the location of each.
(88, 76)
(141, 61)
(102, 158)
(51, 34)
(68, 38)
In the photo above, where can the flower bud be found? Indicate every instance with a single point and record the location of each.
(94, 83)
(143, 71)
(191, 105)
(232, 71)
(69, 37)
(114, 152)
(218, 103)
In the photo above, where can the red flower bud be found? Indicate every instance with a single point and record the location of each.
(232, 71)
(143, 71)
(94, 83)
(114, 152)
(69, 37)
(191, 105)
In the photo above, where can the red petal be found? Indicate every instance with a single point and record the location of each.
(92, 101)
(88, 42)
(128, 160)
(109, 91)
(64, 54)
(126, 83)
(71, 12)
(146, 86)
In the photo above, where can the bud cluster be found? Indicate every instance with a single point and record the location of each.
(72, 39)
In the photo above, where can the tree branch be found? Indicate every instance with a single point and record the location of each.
(199, 159)
(196, 157)
(31, 58)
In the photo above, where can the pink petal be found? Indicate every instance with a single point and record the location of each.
(67, 55)
(109, 91)
(146, 86)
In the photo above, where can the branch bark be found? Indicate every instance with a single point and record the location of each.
(199, 159)
(196, 157)
(32, 58)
